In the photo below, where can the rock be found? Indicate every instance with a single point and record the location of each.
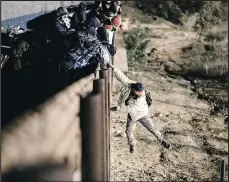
(118, 133)
(193, 81)
(184, 33)
(123, 135)
(153, 50)
(158, 115)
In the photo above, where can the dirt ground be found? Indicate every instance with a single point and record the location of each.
(199, 141)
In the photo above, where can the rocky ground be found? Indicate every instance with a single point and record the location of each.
(199, 140)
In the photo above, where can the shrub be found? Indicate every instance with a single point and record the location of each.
(210, 12)
(217, 33)
(170, 10)
(136, 43)
(210, 63)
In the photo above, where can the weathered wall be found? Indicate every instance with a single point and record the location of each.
(19, 12)
(13, 9)
(51, 133)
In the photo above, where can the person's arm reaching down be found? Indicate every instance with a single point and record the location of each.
(120, 75)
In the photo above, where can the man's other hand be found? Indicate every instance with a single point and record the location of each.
(109, 64)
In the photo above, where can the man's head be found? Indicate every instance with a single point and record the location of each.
(138, 89)
(83, 6)
(62, 15)
(116, 21)
(62, 12)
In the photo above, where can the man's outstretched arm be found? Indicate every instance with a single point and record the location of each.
(120, 75)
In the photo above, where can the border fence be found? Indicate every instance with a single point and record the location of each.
(68, 134)
(27, 143)
(94, 118)
(95, 124)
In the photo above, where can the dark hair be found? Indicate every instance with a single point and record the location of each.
(61, 11)
(138, 87)
(83, 6)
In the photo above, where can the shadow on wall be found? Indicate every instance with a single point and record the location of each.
(21, 20)
(24, 90)
(41, 172)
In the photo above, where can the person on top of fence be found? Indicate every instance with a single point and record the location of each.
(106, 10)
(113, 24)
(79, 17)
(85, 47)
(62, 25)
(135, 100)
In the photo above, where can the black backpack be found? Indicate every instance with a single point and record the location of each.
(148, 98)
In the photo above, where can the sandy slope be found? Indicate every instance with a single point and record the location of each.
(198, 140)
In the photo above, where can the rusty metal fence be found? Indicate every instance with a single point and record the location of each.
(46, 135)
(95, 125)
(94, 118)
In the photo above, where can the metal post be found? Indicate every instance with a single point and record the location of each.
(110, 82)
(109, 119)
(92, 138)
(222, 170)
(112, 61)
(99, 87)
(104, 74)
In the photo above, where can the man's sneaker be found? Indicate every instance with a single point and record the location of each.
(166, 144)
(131, 149)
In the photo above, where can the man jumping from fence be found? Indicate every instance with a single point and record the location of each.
(135, 100)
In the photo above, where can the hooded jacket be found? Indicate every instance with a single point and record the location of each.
(88, 46)
(137, 108)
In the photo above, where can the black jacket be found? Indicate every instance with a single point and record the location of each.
(60, 31)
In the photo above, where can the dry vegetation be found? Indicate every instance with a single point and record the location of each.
(206, 58)
(176, 50)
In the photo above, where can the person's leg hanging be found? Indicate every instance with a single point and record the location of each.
(130, 126)
(146, 122)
